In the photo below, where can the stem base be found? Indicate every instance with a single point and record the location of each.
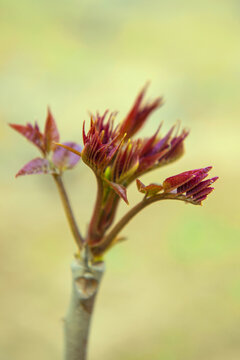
(85, 284)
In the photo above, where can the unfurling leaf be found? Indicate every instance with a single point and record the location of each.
(65, 159)
(189, 185)
(35, 166)
(119, 189)
(201, 186)
(51, 133)
(176, 181)
(151, 189)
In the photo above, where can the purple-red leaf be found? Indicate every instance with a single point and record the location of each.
(194, 181)
(174, 181)
(32, 133)
(189, 185)
(51, 133)
(176, 149)
(151, 189)
(35, 166)
(65, 159)
(138, 114)
(119, 189)
(202, 185)
(202, 193)
(199, 200)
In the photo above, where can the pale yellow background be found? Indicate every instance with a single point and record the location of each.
(172, 291)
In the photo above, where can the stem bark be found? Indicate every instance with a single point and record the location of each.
(86, 279)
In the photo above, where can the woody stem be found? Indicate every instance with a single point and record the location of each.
(86, 278)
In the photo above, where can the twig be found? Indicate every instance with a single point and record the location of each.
(68, 211)
(109, 238)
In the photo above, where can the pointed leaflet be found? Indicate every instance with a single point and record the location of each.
(65, 159)
(162, 143)
(138, 114)
(199, 201)
(51, 133)
(35, 166)
(204, 192)
(147, 143)
(202, 185)
(176, 149)
(192, 183)
(32, 133)
(196, 179)
(119, 189)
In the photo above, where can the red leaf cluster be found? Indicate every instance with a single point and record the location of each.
(138, 114)
(191, 184)
(54, 158)
(113, 154)
(117, 159)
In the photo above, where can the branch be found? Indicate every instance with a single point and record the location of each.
(99, 248)
(68, 211)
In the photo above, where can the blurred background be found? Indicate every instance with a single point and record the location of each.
(172, 291)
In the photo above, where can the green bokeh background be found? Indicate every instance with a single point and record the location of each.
(172, 291)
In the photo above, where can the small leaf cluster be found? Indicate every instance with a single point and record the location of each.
(53, 158)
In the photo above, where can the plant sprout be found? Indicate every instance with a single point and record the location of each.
(117, 158)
